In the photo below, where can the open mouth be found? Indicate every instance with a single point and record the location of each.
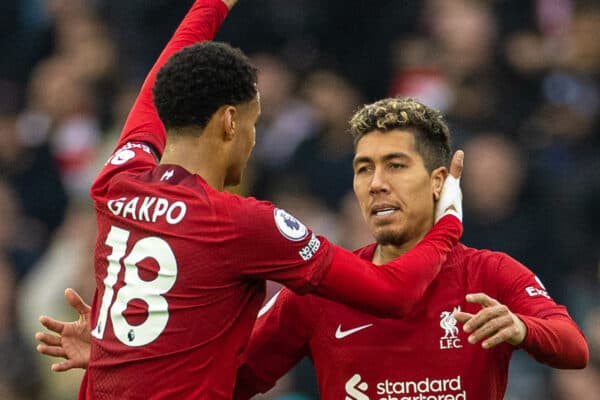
(382, 212)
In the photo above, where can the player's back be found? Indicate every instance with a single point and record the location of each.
(172, 311)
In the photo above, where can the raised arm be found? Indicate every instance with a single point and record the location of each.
(143, 125)
(390, 290)
(200, 23)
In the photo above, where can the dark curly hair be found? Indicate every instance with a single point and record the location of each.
(199, 79)
(432, 136)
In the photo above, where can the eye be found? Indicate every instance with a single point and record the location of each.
(361, 169)
(396, 166)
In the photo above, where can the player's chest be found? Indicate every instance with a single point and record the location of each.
(431, 329)
(425, 355)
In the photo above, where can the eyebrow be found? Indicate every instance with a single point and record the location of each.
(387, 157)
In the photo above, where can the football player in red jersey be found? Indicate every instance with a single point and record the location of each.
(456, 344)
(180, 265)
(427, 354)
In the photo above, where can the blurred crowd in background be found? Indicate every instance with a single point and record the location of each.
(519, 81)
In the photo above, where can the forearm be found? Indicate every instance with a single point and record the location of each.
(556, 341)
(391, 290)
(201, 23)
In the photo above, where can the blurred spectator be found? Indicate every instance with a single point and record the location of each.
(19, 378)
(323, 162)
(140, 28)
(418, 75)
(353, 232)
(26, 170)
(285, 119)
(73, 132)
(503, 211)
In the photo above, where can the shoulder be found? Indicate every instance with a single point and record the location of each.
(236, 202)
(485, 265)
(492, 271)
(481, 258)
(132, 158)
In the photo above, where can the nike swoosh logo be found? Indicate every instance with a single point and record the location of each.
(340, 334)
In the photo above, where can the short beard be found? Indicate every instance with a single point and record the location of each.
(390, 237)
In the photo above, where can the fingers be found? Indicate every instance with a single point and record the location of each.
(47, 339)
(75, 301)
(456, 165)
(462, 316)
(484, 316)
(482, 299)
(50, 345)
(62, 366)
(506, 334)
(492, 328)
(54, 351)
(493, 324)
(52, 324)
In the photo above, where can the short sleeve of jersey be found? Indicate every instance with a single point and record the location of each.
(132, 158)
(521, 290)
(266, 242)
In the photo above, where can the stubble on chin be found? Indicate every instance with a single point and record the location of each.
(390, 237)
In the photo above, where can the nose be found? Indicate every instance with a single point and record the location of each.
(378, 182)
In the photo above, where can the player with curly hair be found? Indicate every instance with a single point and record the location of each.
(458, 341)
(180, 264)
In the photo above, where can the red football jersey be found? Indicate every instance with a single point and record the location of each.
(424, 356)
(181, 268)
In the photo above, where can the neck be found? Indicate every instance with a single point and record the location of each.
(202, 155)
(385, 253)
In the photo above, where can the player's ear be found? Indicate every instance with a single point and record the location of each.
(229, 124)
(438, 176)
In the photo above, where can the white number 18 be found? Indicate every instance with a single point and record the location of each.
(136, 288)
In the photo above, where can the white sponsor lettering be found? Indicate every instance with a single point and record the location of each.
(425, 389)
(150, 210)
(533, 291)
(122, 156)
(355, 388)
(125, 153)
(425, 386)
(311, 248)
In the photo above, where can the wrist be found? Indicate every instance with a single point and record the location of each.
(521, 341)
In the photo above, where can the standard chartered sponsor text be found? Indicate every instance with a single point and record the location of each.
(425, 389)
